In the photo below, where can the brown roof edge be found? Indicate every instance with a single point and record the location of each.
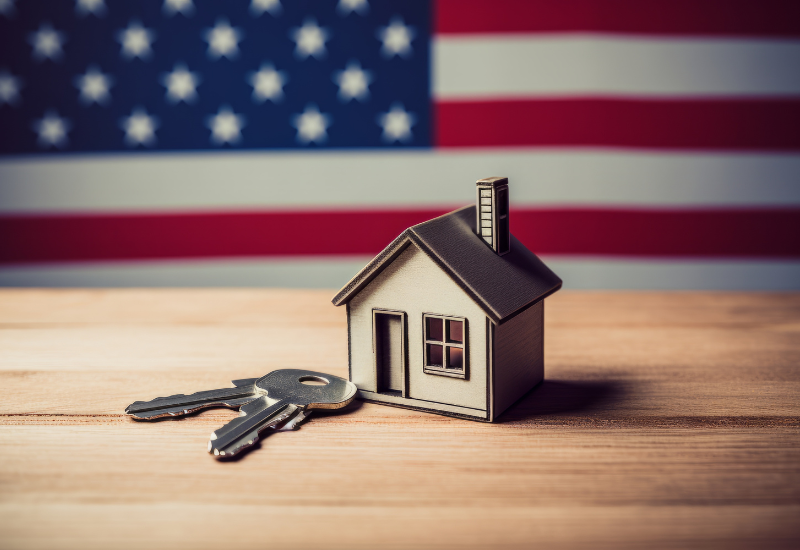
(372, 269)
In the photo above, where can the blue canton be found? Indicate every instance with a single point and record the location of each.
(104, 75)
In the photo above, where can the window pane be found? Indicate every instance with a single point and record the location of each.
(455, 331)
(455, 358)
(435, 329)
(434, 355)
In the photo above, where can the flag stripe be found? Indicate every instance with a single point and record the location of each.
(739, 124)
(334, 272)
(760, 233)
(359, 180)
(676, 17)
(497, 66)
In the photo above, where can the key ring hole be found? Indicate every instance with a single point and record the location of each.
(314, 381)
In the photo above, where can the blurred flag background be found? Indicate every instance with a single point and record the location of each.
(283, 143)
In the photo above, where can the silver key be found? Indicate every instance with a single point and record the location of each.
(243, 392)
(287, 393)
(280, 400)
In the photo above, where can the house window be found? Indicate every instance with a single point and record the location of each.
(445, 345)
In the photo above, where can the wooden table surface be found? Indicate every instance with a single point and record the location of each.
(665, 420)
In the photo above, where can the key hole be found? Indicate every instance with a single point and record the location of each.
(313, 381)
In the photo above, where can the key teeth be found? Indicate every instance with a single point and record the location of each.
(294, 422)
(174, 412)
(128, 408)
(244, 382)
(233, 450)
(252, 438)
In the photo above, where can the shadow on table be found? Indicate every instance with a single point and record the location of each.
(565, 397)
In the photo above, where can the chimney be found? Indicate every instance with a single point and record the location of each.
(492, 213)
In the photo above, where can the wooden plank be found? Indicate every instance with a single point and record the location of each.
(665, 419)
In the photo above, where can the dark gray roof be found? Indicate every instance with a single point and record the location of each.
(501, 285)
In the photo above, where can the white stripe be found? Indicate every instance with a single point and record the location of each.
(294, 273)
(209, 181)
(496, 66)
(334, 273)
(672, 274)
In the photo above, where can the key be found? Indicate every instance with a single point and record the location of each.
(280, 400)
(285, 393)
(243, 392)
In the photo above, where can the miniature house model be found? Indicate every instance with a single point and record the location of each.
(449, 318)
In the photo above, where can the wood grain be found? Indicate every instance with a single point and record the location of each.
(665, 420)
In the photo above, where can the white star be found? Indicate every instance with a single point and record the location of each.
(7, 8)
(52, 130)
(397, 124)
(353, 82)
(311, 125)
(267, 83)
(136, 41)
(9, 88)
(226, 126)
(171, 7)
(94, 86)
(46, 43)
(95, 7)
(310, 39)
(346, 7)
(223, 40)
(257, 7)
(396, 38)
(140, 128)
(181, 84)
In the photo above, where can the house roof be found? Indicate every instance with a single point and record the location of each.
(501, 285)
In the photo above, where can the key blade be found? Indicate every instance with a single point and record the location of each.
(243, 432)
(177, 405)
(188, 409)
(293, 423)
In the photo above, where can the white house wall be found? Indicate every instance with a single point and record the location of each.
(413, 283)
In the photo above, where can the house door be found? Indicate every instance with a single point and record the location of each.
(390, 356)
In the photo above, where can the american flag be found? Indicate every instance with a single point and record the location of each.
(277, 142)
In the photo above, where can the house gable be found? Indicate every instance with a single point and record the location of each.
(502, 286)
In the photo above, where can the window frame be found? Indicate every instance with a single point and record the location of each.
(464, 346)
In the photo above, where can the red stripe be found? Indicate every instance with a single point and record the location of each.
(742, 124)
(672, 17)
(199, 235)
(656, 233)
(661, 233)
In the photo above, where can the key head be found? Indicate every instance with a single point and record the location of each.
(307, 389)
